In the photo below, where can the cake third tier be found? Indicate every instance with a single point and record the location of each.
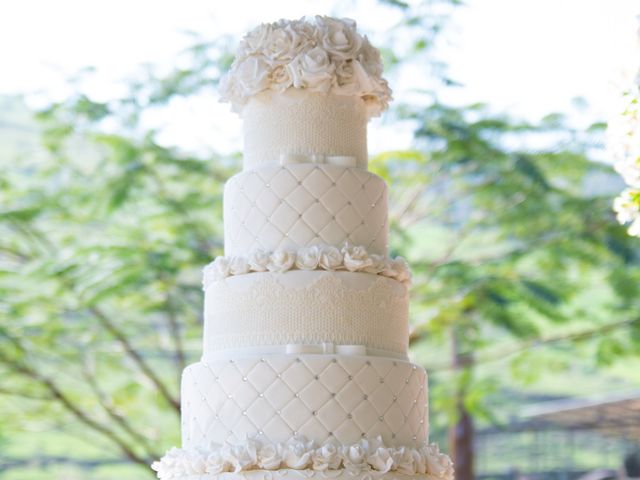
(279, 312)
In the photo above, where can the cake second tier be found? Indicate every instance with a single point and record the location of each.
(292, 206)
(297, 310)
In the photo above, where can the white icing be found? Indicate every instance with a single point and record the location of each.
(306, 307)
(321, 55)
(280, 261)
(351, 258)
(356, 259)
(301, 454)
(326, 398)
(258, 261)
(298, 348)
(285, 208)
(330, 258)
(298, 127)
(308, 258)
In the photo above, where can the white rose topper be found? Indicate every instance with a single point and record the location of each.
(322, 54)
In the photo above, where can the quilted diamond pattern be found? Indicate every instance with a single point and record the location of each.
(297, 205)
(322, 397)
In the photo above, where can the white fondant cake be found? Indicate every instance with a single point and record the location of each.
(273, 398)
(294, 206)
(307, 307)
(304, 369)
(284, 126)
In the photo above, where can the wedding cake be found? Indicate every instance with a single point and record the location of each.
(304, 370)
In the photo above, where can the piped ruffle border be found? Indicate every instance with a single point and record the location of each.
(315, 257)
(300, 454)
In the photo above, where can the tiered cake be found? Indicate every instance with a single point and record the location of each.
(304, 371)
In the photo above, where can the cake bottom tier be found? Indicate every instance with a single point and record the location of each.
(291, 416)
(322, 397)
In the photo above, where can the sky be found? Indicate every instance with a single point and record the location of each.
(524, 57)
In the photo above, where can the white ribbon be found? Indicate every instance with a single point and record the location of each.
(326, 347)
(299, 349)
(338, 160)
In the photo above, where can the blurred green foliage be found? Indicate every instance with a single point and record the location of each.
(517, 259)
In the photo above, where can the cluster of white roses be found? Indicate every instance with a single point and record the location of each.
(323, 55)
(315, 257)
(624, 146)
(299, 454)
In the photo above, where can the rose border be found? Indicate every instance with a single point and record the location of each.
(300, 454)
(314, 257)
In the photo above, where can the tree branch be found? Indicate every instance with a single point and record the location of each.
(136, 357)
(537, 342)
(12, 252)
(110, 410)
(25, 395)
(58, 395)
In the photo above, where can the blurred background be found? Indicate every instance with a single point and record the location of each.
(113, 154)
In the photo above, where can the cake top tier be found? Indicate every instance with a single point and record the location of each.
(322, 54)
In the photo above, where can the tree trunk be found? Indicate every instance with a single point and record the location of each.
(462, 433)
(462, 445)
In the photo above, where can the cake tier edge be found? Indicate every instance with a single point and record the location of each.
(383, 463)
